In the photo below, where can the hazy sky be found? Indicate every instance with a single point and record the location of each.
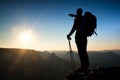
(47, 23)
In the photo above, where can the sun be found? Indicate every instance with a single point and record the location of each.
(25, 37)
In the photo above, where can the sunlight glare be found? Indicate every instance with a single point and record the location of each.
(25, 37)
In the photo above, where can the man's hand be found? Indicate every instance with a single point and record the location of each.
(68, 37)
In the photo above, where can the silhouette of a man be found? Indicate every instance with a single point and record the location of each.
(80, 39)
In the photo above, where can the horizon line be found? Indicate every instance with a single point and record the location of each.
(58, 50)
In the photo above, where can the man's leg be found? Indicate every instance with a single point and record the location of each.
(82, 51)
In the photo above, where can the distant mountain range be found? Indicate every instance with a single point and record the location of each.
(106, 58)
(26, 64)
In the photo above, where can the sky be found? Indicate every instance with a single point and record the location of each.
(44, 24)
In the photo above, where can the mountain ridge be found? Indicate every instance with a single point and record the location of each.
(27, 64)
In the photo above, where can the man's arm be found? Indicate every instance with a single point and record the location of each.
(72, 15)
(71, 32)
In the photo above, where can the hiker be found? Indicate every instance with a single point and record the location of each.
(80, 39)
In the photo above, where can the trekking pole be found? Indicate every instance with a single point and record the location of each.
(71, 56)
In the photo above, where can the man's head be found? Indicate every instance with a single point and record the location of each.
(79, 12)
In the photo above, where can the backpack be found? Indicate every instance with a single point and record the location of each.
(90, 24)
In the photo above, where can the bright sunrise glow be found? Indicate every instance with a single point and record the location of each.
(33, 25)
(25, 37)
